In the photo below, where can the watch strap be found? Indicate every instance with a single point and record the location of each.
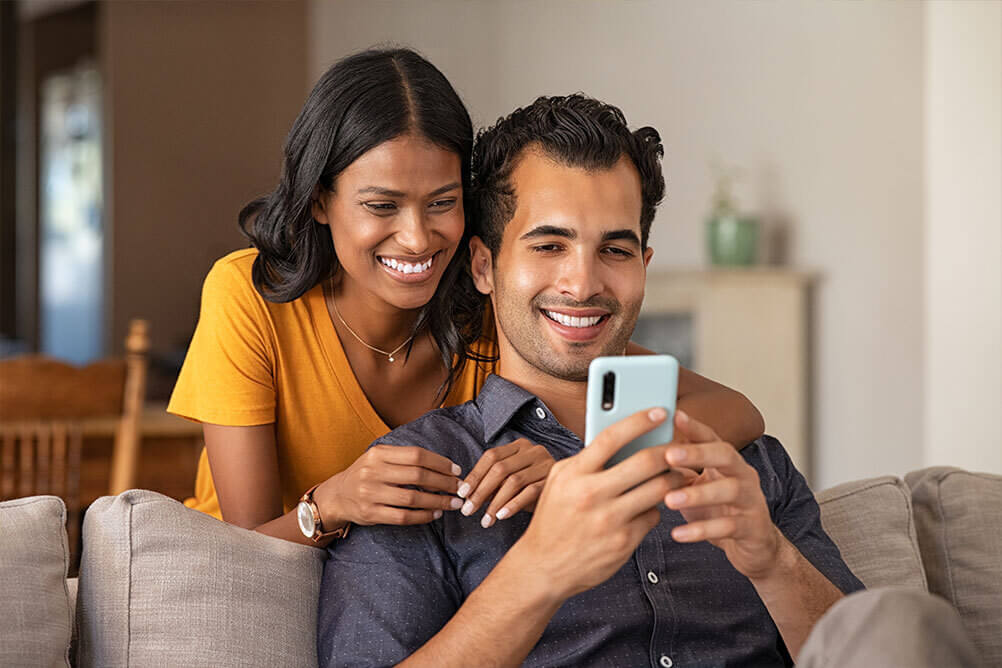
(318, 528)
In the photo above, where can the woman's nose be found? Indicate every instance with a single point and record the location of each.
(413, 233)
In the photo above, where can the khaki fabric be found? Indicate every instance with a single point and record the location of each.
(959, 519)
(165, 585)
(889, 627)
(35, 612)
(871, 522)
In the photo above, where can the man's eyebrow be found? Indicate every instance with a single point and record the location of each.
(549, 231)
(626, 235)
(387, 192)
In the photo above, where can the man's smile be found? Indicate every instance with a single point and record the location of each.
(576, 325)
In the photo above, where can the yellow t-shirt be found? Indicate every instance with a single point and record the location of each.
(254, 362)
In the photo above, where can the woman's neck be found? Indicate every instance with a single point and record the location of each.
(376, 322)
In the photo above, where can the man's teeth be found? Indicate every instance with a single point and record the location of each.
(572, 321)
(407, 268)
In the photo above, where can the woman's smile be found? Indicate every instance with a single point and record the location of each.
(408, 269)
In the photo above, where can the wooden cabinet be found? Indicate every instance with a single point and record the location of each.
(747, 328)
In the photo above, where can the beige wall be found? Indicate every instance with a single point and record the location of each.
(200, 96)
(821, 103)
(963, 249)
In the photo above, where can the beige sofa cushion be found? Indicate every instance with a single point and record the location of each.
(871, 522)
(35, 612)
(165, 585)
(959, 519)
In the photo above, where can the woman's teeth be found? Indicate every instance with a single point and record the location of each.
(571, 321)
(407, 268)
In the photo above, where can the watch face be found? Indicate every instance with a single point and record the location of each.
(306, 524)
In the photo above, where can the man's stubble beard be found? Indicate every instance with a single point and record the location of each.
(519, 327)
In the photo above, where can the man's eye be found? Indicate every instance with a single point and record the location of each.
(619, 252)
(380, 206)
(546, 248)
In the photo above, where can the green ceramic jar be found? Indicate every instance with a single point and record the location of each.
(731, 240)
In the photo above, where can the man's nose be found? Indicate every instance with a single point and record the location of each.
(580, 277)
(412, 231)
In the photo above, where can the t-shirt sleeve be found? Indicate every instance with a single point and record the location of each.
(795, 511)
(386, 591)
(228, 373)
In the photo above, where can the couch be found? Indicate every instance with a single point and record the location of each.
(163, 585)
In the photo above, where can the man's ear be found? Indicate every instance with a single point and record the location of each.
(648, 254)
(318, 206)
(482, 266)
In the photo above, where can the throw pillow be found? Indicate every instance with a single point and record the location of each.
(871, 522)
(165, 585)
(959, 519)
(35, 613)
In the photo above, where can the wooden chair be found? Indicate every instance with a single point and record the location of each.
(43, 403)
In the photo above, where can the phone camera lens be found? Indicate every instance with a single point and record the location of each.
(608, 390)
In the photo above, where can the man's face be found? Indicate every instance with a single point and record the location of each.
(568, 281)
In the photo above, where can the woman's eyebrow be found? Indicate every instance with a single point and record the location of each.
(388, 192)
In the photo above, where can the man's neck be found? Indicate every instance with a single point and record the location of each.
(565, 398)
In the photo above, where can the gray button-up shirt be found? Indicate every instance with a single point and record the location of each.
(387, 590)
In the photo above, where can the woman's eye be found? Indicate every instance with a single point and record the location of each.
(380, 206)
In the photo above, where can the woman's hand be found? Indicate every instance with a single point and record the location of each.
(512, 474)
(376, 489)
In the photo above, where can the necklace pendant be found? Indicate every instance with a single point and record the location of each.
(391, 358)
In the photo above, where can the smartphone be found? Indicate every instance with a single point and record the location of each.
(620, 386)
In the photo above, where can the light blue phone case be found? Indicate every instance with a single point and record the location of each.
(640, 382)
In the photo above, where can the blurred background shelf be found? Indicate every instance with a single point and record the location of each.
(746, 328)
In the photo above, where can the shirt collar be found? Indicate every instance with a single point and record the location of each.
(498, 401)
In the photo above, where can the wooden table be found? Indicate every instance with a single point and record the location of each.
(170, 447)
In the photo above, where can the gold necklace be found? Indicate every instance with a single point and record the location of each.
(358, 338)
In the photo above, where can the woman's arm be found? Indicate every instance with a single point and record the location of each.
(244, 464)
(385, 485)
(727, 411)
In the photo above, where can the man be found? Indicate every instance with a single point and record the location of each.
(735, 570)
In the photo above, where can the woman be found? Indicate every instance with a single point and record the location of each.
(354, 313)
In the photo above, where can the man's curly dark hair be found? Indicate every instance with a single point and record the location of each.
(573, 130)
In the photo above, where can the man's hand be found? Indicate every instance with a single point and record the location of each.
(589, 520)
(724, 504)
(511, 476)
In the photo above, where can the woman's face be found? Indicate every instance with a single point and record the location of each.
(396, 217)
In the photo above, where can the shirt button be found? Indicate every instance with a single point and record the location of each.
(666, 661)
(652, 576)
(540, 413)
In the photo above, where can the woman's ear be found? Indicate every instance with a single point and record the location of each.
(318, 205)
(482, 266)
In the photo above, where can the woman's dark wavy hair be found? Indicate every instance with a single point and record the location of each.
(573, 130)
(360, 102)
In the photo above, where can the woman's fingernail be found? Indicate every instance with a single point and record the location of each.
(682, 416)
(464, 489)
(467, 508)
(455, 503)
(657, 414)
(682, 533)
(456, 470)
(486, 521)
(675, 498)
(676, 455)
(437, 514)
(503, 513)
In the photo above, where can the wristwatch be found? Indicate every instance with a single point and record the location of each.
(309, 520)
